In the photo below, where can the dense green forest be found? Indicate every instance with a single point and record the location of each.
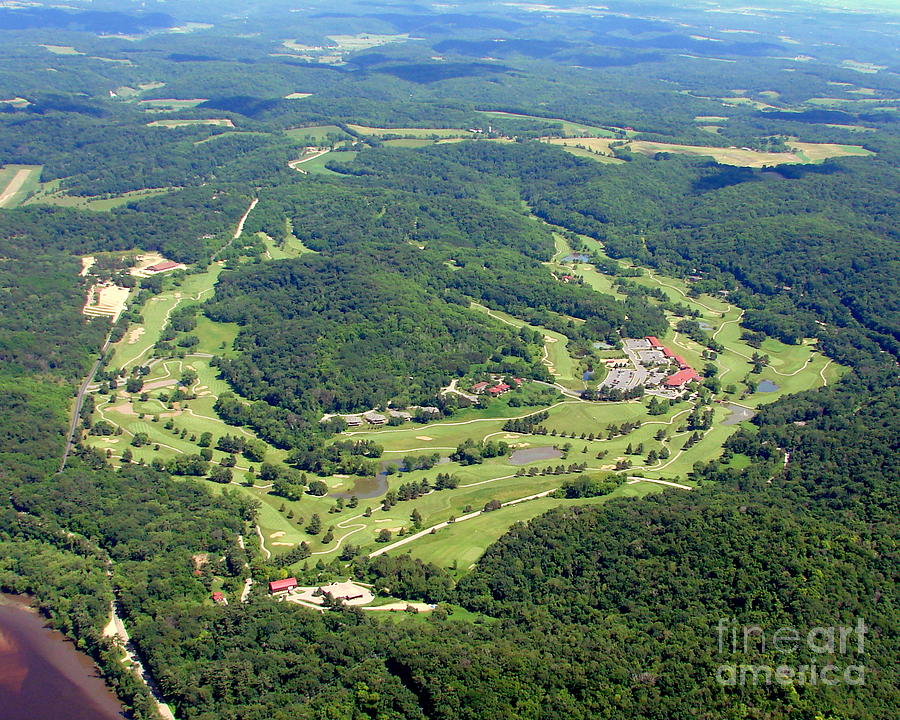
(597, 611)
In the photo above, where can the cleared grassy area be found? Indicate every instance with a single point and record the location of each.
(426, 133)
(291, 248)
(585, 153)
(570, 128)
(740, 157)
(134, 347)
(316, 166)
(223, 122)
(460, 545)
(316, 133)
(100, 204)
(164, 104)
(557, 358)
(17, 182)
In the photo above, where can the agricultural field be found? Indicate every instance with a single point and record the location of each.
(315, 133)
(222, 122)
(49, 195)
(316, 165)
(62, 49)
(426, 133)
(171, 104)
(740, 157)
(17, 182)
(570, 129)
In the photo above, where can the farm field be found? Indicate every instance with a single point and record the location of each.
(223, 122)
(171, 104)
(317, 165)
(426, 133)
(17, 182)
(569, 128)
(803, 152)
(49, 196)
(316, 133)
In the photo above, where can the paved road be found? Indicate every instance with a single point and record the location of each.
(79, 403)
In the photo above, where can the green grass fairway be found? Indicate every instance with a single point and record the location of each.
(17, 182)
(135, 346)
(556, 354)
(461, 545)
(291, 248)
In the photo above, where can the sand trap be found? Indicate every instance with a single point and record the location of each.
(201, 387)
(387, 520)
(393, 607)
(423, 437)
(278, 534)
(86, 264)
(134, 335)
(283, 544)
(394, 529)
(124, 409)
(549, 339)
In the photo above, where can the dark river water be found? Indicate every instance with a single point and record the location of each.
(43, 676)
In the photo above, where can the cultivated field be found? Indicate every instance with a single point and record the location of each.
(17, 182)
(49, 196)
(741, 157)
(222, 122)
(316, 133)
(410, 132)
(571, 129)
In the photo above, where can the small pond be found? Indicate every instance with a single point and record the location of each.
(530, 455)
(587, 375)
(576, 257)
(767, 386)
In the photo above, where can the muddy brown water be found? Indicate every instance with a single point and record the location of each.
(530, 455)
(42, 675)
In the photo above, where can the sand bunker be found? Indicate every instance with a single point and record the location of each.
(278, 534)
(424, 437)
(134, 335)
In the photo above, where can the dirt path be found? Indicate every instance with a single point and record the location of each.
(238, 231)
(116, 629)
(14, 186)
(633, 479)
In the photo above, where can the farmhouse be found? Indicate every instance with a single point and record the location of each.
(374, 418)
(282, 586)
(681, 378)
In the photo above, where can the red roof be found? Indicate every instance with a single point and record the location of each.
(668, 353)
(164, 265)
(653, 341)
(682, 377)
(279, 585)
(479, 386)
(218, 596)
